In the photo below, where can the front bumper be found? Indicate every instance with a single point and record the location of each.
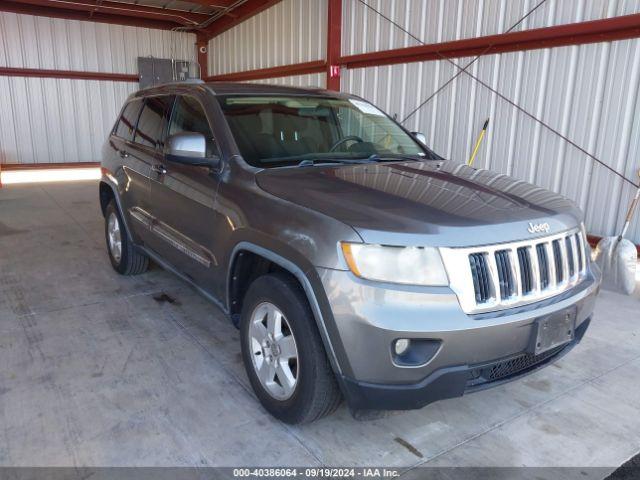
(370, 316)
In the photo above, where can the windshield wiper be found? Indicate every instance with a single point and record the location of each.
(308, 162)
(389, 157)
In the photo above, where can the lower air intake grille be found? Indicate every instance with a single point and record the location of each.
(507, 368)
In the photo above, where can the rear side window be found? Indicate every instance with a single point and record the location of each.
(188, 116)
(127, 122)
(153, 120)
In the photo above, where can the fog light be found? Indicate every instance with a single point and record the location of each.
(401, 346)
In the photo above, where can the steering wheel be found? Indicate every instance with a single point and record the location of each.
(354, 138)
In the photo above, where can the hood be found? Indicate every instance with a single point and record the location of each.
(439, 203)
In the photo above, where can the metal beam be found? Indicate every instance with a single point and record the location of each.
(27, 9)
(106, 7)
(273, 72)
(67, 74)
(214, 3)
(596, 31)
(240, 14)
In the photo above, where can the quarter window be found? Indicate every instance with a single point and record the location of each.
(188, 116)
(128, 120)
(152, 122)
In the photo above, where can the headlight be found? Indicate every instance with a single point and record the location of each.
(406, 265)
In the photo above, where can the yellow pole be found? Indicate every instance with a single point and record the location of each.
(478, 142)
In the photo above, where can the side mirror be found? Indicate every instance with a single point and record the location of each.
(189, 148)
(421, 137)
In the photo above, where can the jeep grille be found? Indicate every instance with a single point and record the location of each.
(501, 276)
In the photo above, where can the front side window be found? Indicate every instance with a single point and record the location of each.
(275, 131)
(128, 120)
(188, 116)
(152, 122)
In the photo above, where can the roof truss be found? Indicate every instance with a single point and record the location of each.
(226, 14)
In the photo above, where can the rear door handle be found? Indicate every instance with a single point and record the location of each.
(123, 154)
(159, 169)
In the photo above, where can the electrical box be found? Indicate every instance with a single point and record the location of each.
(156, 71)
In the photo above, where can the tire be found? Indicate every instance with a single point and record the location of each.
(126, 260)
(315, 392)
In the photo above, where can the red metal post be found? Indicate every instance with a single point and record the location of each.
(202, 45)
(334, 43)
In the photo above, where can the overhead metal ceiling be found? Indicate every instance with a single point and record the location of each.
(206, 17)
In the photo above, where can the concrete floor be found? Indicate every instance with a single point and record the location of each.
(96, 369)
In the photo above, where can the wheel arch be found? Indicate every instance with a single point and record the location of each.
(287, 266)
(106, 193)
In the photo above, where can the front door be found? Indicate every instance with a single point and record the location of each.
(182, 200)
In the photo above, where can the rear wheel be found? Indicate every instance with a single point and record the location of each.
(283, 352)
(125, 258)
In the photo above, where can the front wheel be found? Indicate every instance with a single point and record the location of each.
(283, 352)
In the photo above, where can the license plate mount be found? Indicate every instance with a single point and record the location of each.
(554, 330)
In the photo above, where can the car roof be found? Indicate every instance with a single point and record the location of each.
(235, 88)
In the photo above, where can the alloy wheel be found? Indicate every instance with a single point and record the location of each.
(274, 352)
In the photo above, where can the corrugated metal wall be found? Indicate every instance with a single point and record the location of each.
(45, 120)
(435, 21)
(589, 93)
(292, 31)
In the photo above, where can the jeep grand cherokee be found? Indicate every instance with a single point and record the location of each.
(355, 261)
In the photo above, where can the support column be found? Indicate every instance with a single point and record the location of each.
(202, 46)
(334, 44)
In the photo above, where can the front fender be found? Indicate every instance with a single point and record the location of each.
(307, 275)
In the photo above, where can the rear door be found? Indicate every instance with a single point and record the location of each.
(146, 150)
(135, 193)
(183, 197)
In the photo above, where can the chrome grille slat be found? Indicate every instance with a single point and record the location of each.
(505, 274)
(558, 263)
(578, 240)
(526, 270)
(553, 276)
(480, 275)
(571, 259)
(542, 260)
(495, 277)
(535, 265)
(564, 260)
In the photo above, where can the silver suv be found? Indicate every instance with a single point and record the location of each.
(355, 261)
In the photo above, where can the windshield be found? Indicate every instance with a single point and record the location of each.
(273, 131)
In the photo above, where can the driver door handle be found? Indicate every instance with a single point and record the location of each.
(159, 169)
